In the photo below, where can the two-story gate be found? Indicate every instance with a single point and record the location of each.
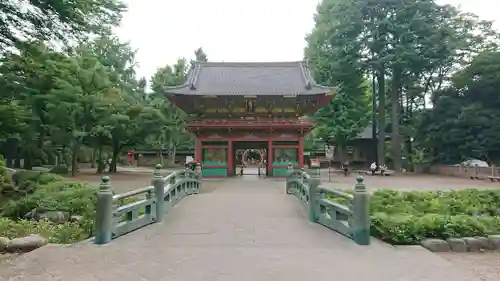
(257, 106)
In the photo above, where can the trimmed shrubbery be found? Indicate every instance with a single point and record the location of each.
(410, 216)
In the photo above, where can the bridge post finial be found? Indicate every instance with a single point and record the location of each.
(104, 212)
(159, 188)
(361, 213)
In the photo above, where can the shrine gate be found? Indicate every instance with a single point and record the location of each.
(260, 106)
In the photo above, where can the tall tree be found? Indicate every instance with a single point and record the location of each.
(57, 19)
(464, 122)
(348, 113)
(404, 43)
(200, 55)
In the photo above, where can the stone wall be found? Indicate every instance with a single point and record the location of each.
(465, 172)
(466, 244)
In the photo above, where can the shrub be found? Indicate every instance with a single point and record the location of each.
(54, 193)
(66, 233)
(457, 202)
(61, 169)
(26, 183)
(411, 229)
(22, 177)
(410, 216)
(73, 197)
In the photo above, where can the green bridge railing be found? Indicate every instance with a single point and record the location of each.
(120, 214)
(325, 206)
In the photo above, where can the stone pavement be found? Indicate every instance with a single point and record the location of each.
(237, 230)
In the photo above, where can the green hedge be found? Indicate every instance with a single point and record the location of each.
(457, 202)
(410, 216)
(403, 229)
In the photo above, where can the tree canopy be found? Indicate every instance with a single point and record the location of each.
(82, 102)
(413, 50)
(56, 20)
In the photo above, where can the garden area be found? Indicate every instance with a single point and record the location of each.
(409, 217)
(40, 207)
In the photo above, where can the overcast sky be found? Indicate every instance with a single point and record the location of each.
(232, 30)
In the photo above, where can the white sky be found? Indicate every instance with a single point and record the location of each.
(232, 30)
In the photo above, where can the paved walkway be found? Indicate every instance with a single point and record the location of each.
(237, 230)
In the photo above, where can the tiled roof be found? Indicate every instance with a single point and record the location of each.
(249, 78)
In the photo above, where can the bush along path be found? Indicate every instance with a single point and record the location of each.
(455, 220)
(37, 208)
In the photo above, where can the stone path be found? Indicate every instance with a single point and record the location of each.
(239, 229)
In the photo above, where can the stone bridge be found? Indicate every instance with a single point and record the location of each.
(235, 230)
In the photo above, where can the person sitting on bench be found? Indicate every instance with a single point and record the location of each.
(383, 168)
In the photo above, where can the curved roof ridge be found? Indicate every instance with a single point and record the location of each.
(246, 64)
(262, 78)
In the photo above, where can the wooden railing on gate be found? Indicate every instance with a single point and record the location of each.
(351, 219)
(115, 217)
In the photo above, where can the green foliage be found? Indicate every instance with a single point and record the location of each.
(67, 196)
(411, 229)
(348, 113)
(410, 216)
(67, 233)
(464, 122)
(63, 20)
(411, 49)
(61, 169)
(457, 202)
(48, 192)
(200, 55)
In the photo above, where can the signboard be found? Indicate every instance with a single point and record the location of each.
(315, 163)
(350, 150)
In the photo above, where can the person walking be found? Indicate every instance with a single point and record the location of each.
(346, 168)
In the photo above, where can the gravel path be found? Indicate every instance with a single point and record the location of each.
(237, 231)
(484, 265)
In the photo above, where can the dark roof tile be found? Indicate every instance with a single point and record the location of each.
(249, 78)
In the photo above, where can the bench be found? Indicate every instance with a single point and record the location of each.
(377, 173)
(494, 179)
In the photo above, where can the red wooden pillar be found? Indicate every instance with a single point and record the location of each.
(301, 152)
(269, 157)
(198, 151)
(229, 157)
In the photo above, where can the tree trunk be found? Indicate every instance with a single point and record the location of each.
(100, 163)
(409, 150)
(28, 165)
(341, 151)
(374, 116)
(395, 108)
(381, 115)
(174, 151)
(17, 161)
(74, 160)
(114, 158)
(93, 157)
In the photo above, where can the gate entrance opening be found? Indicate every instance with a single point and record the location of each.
(250, 158)
(249, 113)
